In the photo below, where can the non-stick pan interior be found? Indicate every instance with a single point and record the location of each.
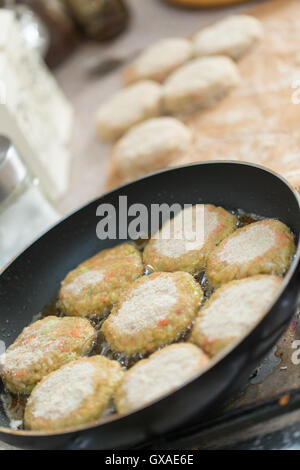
(33, 280)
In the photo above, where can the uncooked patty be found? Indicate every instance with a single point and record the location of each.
(233, 37)
(201, 83)
(127, 108)
(159, 60)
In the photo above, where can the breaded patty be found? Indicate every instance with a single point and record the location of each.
(95, 285)
(185, 241)
(75, 394)
(42, 348)
(232, 311)
(232, 36)
(264, 247)
(150, 146)
(127, 108)
(163, 372)
(199, 84)
(154, 311)
(159, 60)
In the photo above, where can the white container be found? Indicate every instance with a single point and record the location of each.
(25, 211)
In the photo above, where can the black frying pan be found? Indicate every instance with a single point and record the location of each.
(33, 280)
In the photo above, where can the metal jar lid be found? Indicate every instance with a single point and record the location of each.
(12, 169)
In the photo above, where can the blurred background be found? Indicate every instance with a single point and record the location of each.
(147, 22)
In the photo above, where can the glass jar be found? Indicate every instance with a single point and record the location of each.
(25, 211)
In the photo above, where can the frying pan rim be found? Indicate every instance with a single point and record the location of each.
(148, 175)
(217, 359)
